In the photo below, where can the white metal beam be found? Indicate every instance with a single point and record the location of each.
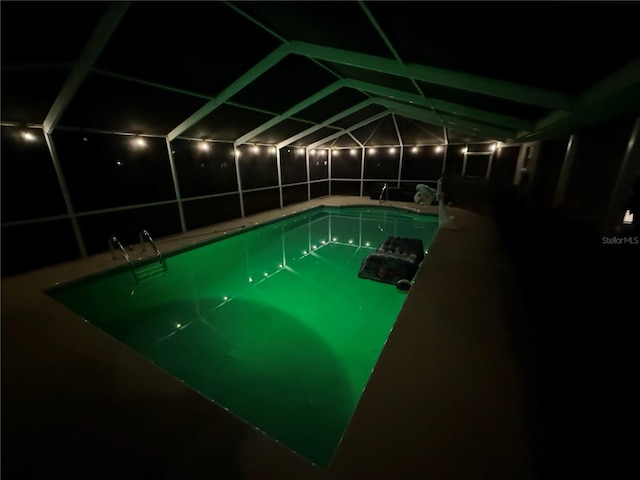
(292, 111)
(258, 69)
(94, 46)
(591, 106)
(470, 112)
(493, 133)
(473, 83)
(326, 123)
(353, 127)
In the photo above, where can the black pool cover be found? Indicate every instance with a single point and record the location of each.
(395, 260)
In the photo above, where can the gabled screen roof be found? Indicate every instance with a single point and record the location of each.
(309, 73)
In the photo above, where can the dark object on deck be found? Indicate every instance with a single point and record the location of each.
(397, 259)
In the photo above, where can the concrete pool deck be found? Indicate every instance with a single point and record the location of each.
(447, 399)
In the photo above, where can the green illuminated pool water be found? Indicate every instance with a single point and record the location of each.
(272, 323)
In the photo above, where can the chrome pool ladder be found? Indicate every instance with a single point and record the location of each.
(114, 241)
(147, 270)
(151, 269)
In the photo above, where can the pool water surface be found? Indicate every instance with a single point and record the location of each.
(272, 323)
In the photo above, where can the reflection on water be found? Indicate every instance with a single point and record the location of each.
(273, 324)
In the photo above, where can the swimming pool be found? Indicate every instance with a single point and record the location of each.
(272, 323)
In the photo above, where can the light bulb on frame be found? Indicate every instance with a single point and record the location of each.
(139, 142)
(28, 136)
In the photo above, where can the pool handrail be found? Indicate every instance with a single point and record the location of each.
(114, 240)
(384, 192)
(144, 234)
